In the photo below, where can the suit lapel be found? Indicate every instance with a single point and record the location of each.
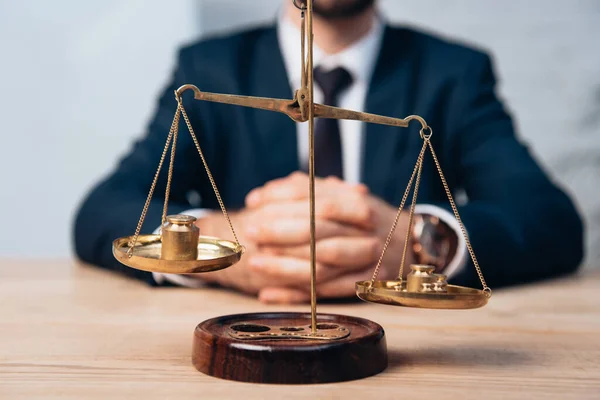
(277, 147)
(388, 94)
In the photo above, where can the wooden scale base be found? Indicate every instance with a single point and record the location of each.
(279, 348)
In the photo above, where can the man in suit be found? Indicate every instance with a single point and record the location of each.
(522, 227)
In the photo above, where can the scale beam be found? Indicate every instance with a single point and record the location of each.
(295, 109)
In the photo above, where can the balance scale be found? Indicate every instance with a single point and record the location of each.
(286, 347)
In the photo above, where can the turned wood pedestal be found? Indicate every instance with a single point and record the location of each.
(279, 348)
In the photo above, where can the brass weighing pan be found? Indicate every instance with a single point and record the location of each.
(213, 254)
(394, 293)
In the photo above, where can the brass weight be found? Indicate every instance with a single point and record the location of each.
(419, 275)
(422, 279)
(179, 238)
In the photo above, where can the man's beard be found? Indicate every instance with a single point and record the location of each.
(341, 9)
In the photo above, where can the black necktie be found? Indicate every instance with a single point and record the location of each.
(328, 143)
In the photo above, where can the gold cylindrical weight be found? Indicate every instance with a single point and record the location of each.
(179, 238)
(440, 286)
(419, 275)
(427, 287)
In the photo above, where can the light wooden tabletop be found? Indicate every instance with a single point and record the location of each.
(69, 331)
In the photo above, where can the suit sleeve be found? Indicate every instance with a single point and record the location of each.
(113, 207)
(521, 225)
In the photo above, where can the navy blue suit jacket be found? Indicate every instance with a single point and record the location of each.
(521, 225)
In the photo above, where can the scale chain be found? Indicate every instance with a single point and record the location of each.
(411, 214)
(171, 163)
(172, 139)
(393, 229)
(135, 237)
(486, 288)
(417, 173)
(210, 177)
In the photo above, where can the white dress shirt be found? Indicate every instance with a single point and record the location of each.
(359, 59)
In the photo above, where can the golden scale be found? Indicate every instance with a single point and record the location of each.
(292, 347)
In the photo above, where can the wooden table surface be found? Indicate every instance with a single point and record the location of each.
(69, 331)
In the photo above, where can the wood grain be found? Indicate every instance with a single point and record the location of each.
(74, 332)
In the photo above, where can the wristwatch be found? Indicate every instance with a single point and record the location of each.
(433, 241)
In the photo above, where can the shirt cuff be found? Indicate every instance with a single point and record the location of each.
(181, 280)
(459, 262)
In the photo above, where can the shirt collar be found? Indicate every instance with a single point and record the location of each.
(359, 58)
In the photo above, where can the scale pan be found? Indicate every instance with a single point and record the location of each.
(394, 293)
(213, 254)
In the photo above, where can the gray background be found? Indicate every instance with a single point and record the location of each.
(78, 81)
